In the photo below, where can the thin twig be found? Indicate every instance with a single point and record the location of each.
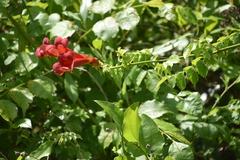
(95, 82)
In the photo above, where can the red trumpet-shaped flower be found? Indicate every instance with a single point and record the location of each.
(67, 58)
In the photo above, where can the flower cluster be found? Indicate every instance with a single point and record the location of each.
(67, 58)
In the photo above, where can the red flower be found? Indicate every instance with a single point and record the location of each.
(67, 58)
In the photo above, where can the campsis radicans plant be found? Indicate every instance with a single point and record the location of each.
(67, 59)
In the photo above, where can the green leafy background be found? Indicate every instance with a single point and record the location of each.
(167, 87)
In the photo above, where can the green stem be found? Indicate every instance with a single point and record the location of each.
(226, 48)
(136, 63)
(226, 89)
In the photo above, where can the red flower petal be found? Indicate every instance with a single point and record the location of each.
(59, 69)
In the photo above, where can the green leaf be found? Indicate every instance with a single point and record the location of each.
(206, 130)
(106, 29)
(171, 60)
(180, 151)
(127, 19)
(23, 123)
(48, 22)
(188, 50)
(102, 6)
(131, 123)
(123, 157)
(192, 104)
(3, 5)
(64, 3)
(105, 138)
(25, 62)
(181, 82)
(210, 24)
(154, 3)
(22, 96)
(150, 136)
(70, 87)
(43, 150)
(153, 108)
(187, 14)
(84, 9)
(10, 58)
(42, 87)
(113, 111)
(97, 43)
(8, 110)
(202, 68)
(63, 29)
(166, 11)
(171, 130)
(192, 75)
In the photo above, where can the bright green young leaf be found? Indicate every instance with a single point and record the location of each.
(171, 130)
(154, 3)
(192, 104)
(192, 75)
(113, 111)
(123, 157)
(150, 136)
(23, 123)
(202, 68)
(43, 150)
(64, 3)
(70, 87)
(8, 110)
(187, 14)
(140, 77)
(127, 19)
(169, 158)
(181, 82)
(22, 96)
(102, 6)
(131, 123)
(26, 61)
(153, 108)
(63, 29)
(97, 43)
(180, 151)
(106, 29)
(42, 87)
(210, 24)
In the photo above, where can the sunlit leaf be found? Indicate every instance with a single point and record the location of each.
(131, 123)
(127, 19)
(25, 62)
(84, 9)
(150, 138)
(106, 29)
(64, 3)
(42, 87)
(64, 29)
(192, 104)
(153, 108)
(192, 75)
(23, 123)
(102, 6)
(22, 96)
(180, 151)
(8, 110)
(113, 111)
(154, 3)
(43, 150)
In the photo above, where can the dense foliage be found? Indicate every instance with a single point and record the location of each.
(165, 85)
